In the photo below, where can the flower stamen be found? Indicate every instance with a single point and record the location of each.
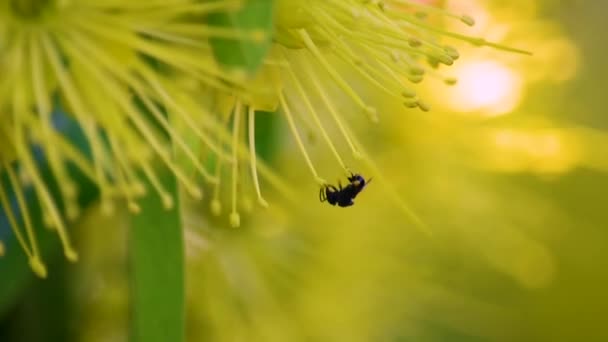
(370, 111)
(165, 196)
(332, 110)
(183, 115)
(235, 219)
(125, 177)
(253, 157)
(175, 138)
(315, 117)
(296, 135)
(12, 219)
(81, 116)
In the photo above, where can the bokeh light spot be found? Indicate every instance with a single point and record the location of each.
(485, 87)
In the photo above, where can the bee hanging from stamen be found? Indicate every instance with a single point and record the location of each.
(343, 196)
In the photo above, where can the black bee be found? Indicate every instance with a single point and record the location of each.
(343, 196)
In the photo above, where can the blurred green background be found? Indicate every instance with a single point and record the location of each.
(508, 172)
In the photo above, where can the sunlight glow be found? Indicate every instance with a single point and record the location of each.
(487, 87)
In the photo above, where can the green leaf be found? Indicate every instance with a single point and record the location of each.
(157, 269)
(254, 17)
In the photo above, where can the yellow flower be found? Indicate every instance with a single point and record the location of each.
(327, 55)
(115, 67)
(140, 81)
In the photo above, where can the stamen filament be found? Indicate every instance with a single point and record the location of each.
(253, 157)
(336, 77)
(184, 116)
(114, 90)
(332, 110)
(47, 203)
(234, 215)
(80, 113)
(12, 221)
(315, 116)
(23, 208)
(67, 188)
(346, 55)
(124, 176)
(296, 135)
(430, 9)
(172, 134)
(473, 40)
(157, 185)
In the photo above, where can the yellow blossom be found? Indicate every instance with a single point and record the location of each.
(112, 66)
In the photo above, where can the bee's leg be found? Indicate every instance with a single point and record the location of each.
(340, 185)
(322, 195)
(348, 172)
(352, 176)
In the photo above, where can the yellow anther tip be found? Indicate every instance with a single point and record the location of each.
(467, 20)
(372, 113)
(452, 52)
(416, 70)
(414, 42)
(70, 254)
(408, 93)
(196, 193)
(167, 202)
(357, 155)
(410, 104)
(2, 249)
(445, 59)
(263, 202)
(134, 207)
(38, 267)
(450, 81)
(235, 219)
(415, 78)
(139, 189)
(423, 106)
(216, 207)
